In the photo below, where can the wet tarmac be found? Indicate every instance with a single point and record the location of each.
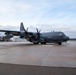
(51, 55)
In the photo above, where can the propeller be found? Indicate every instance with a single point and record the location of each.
(23, 32)
(38, 33)
(26, 30)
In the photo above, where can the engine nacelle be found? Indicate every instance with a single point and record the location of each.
(8, 36)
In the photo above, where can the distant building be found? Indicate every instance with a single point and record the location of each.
(14, 39)
(3, 38)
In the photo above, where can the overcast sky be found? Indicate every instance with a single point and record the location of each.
(47, 15)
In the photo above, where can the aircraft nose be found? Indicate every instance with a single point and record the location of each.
(67, 38)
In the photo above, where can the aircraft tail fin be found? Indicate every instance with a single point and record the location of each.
(22, 27)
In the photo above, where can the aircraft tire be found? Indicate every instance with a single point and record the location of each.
(59, 43)
(43, 42)
(35, 42)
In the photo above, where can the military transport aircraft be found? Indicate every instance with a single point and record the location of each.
(37, 37)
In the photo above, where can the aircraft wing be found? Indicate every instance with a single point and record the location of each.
(16, 33)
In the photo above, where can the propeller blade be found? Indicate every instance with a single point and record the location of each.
(37, 34)
(37, 30)
(27, 29)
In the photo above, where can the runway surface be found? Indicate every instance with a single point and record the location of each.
(51, 55)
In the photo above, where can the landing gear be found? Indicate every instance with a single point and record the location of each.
(43, 42)
(35, 42)
(59, 43)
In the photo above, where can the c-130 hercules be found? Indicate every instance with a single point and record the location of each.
(37, 37)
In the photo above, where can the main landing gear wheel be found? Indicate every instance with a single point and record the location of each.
(59, 43)
(43, 42)
(35, 42)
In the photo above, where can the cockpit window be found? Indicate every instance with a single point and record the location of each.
(62, 34)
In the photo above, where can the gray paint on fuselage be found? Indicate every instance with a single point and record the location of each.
(53, 36)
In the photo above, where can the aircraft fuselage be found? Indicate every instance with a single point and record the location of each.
(49, 37)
